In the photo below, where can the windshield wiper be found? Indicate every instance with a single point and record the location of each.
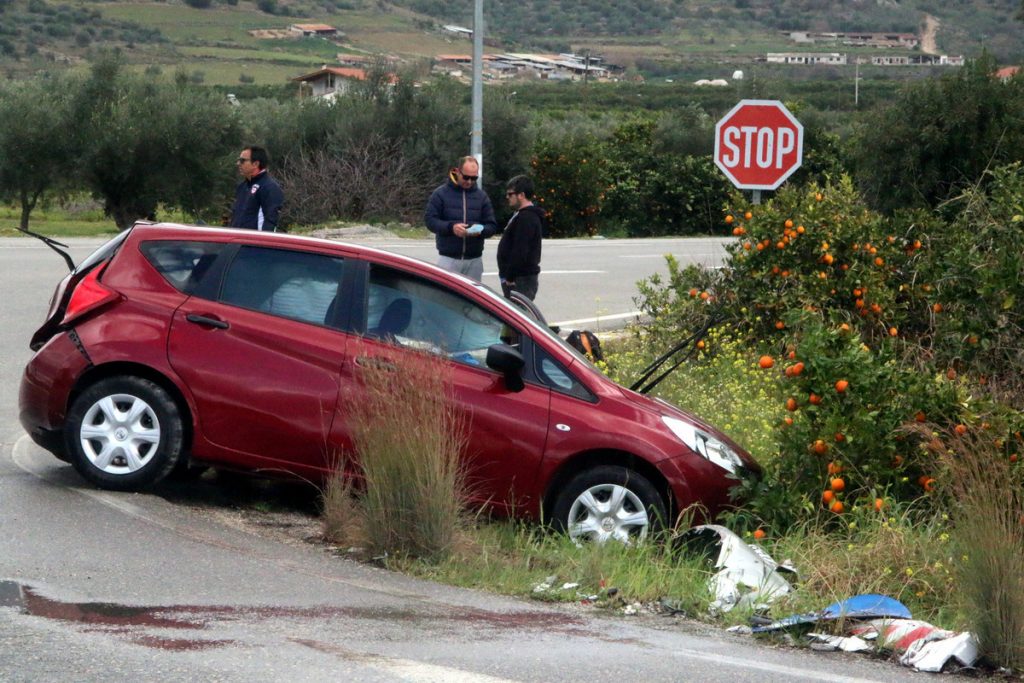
(639, 386)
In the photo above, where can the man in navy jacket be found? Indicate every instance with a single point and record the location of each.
(258, 198)
(452, 212)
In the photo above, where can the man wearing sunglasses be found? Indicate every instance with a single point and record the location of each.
(519, 248)
(453, 212)
(258, 198)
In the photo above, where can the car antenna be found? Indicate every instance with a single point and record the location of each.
(58, 247)
(639, 386)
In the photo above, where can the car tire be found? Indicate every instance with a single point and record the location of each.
(124, 433)
(608, 502)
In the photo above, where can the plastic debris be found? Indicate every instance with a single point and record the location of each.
(746, 574)
(867, 606)
(921, 645)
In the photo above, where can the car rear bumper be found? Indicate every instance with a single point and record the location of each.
(46, 386)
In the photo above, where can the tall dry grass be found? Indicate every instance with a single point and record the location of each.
(407, 437)
(989, 531)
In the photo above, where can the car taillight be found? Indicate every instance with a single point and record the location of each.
(89, 295)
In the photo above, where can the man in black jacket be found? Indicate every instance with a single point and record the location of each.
(258, 198)
(519, 248)
(454, 209)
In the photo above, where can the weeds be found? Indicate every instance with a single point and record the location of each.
(989, 531)
(407, 440)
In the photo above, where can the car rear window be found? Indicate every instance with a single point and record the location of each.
(182, 263)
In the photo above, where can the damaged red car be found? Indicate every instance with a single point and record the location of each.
(174, 344)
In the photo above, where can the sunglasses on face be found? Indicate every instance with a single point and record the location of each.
(470, 178)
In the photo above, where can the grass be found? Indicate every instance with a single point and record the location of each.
(406, 439)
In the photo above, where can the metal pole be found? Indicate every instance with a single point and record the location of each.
(477, 130)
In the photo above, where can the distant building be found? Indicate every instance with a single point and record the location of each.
(313, 29)
(906, 41)
(1007, 72)
(329, 81)
(829, 58)
(459, 31)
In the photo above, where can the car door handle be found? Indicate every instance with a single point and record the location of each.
(204, 320)
(375, 363)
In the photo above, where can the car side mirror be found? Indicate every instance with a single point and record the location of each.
(509, 362)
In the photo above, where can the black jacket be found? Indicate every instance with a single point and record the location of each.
(450, 204)
(257, 204)
(519, 248)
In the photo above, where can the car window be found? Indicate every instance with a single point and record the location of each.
(182, 263)
(290, 284)
(555, 375)
(413, 312)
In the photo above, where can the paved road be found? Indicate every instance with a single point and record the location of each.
(100, 586)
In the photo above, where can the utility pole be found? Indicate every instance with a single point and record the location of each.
(856, 82)
(476, 132)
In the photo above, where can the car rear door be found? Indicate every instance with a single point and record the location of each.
(262, 356)
(401, 311)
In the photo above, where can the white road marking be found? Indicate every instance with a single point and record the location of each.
(583, 321)
(789, 672)
(404, 669)
(562, 272)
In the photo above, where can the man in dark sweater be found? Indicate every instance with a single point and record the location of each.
(258, 198)
(519, 248)
(454, 209)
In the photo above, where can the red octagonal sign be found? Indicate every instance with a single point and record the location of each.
(758, 144)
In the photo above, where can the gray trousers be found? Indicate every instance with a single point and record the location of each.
(472, 268)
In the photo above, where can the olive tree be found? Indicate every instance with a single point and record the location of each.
(37, 153)
(147, 143)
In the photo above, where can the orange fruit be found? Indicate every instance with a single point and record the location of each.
(836, 507)
(818, 197)
(960, 429)
(879, 261)
(788, 224)
(837, 484)
(748, 215)
(951, 374)
(788, 421)
(791, 355)
(729, 220)
(879, 504)
(760, 246)
(972, 339)
(700, 344)
(693, 292)
(919, 416)
(842, 385)
(800, 229)
(766, 362)
(929, 484)
(840, 437)
(736, 230)
(1013, 457)
(827, 497)
(779, 325)
(937, 307)
(820, 447)
(893, 332)
(834, 468)
(791, 404)
(747, 246)
(845, 327)
(828, 258)
(759, 534)
(814, 399)
(797, 368)
(704, 296)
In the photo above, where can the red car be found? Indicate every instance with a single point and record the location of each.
(175, 344)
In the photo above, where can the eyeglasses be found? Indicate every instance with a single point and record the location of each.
(242, 160)
(470, 178)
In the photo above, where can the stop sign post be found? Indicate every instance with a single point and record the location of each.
(758, 144)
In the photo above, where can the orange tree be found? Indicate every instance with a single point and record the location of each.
(846, 299)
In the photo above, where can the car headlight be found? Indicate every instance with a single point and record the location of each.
(704, 444)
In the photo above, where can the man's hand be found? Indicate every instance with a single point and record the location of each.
(459, 229)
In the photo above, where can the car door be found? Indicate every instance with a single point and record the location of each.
(261, 358)
(506, 431)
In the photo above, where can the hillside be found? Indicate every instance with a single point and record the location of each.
(219, 42)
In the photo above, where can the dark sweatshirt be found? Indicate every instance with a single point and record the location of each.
(519, 248)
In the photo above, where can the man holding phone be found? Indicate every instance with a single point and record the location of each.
(461, 217)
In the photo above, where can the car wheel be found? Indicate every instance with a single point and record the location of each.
(608, 502)
(124, 433)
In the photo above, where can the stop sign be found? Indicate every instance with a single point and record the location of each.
(758, 144)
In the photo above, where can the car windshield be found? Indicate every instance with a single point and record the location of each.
(524, 315)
